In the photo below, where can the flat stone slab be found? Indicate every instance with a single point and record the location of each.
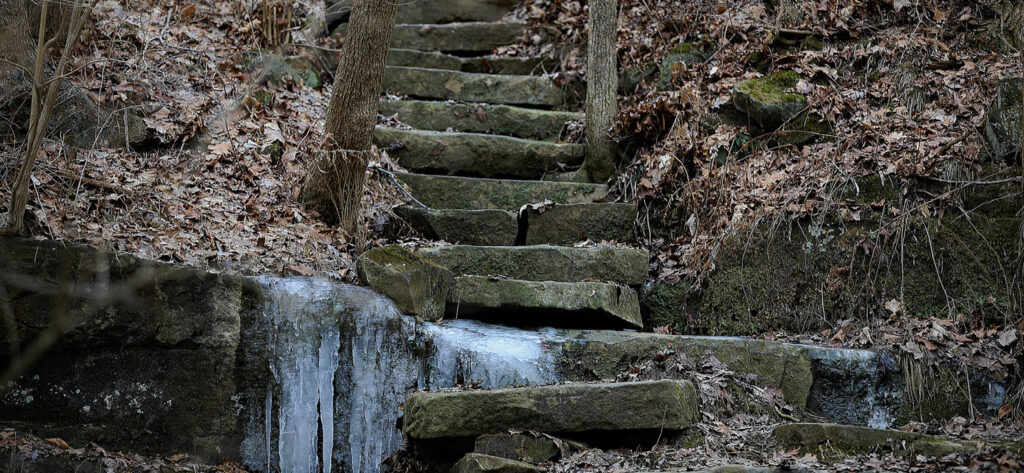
(477, 193)
(567, 224)
(483, 64)
(479, 118)
(544, 263)
(470, 227)
(416, 284)
(475, 153)
(586, 303)
(480, 463)
(478, 37)
(473, 87)
(571, 408)
(828, 439)
(436, 12)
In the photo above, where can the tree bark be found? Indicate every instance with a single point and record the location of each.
(334, 179)
(602, 86)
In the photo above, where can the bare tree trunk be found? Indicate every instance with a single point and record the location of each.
(602, 85)
(46, 85)
(334, 179)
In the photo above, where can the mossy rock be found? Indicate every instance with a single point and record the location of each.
(1003, 124)
(274, 68)
(417, 285)
(517, 446)
(769, 100)
(804, 129)
(632, 76)
(812, 43)
(687, 53)
(479, 463)
(832, 442)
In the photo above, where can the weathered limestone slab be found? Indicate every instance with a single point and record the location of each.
(544, 263)
(474, 153)
(479, 463)
(417, 285)
(425, 59)
(461, 37)
(769, 100)
(434, 12)
(602, 354)
(473, 193)
(830, 440)
(152, 370)
(568, 224)
(650, 405)
(479, 118)
(469, 227)
(588, 303)
(473, 87)
(511, 65)
(520, 447)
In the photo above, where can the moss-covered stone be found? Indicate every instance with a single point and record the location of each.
(833, 442)
(469, 227)
(812, 43)
(417, 285)
(570, 223)
(480, 118)
(544, 263)
(571, 408)
(476, 154)
(480, 463)
(468, 193)
(580, 304)
(453, 37)
(273, 68)
(805, 128)
(769, 100)
(473, 87)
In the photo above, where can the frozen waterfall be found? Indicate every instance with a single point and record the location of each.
(342, 360)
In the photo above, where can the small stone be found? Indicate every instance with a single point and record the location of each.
(417, 285)
(477, 463)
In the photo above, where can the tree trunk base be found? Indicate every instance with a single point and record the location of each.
(334, 185)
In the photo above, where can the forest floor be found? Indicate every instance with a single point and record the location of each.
(220, 197)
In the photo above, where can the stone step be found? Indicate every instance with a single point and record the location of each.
(475, 154)
(469, 37)
(433, 12)
(567, 224)
(482, 64)
(479, 118)
(544, 263)
(661, 406)
(442, 84)
(549, 303)
(490, 227)
(480, 463)
(450, 192)
(827, 440)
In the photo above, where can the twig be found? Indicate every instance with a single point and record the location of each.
(89, 181)
(399, 185)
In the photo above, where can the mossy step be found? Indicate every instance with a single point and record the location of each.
(517, 302)
(484, 64)
(544, 263)
(563, 224)
(450, 192)
(480, 463)
(433, 12)
(475, 154)
(453, 37)
(479, 118)
(469, 227)
(659, 406)
(833, 441)
(473, 87)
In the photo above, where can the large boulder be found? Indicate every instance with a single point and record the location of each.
(417, 285)
(149, 359)
(769, 100)
(571, 408)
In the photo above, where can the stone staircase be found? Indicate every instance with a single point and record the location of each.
(484, 139)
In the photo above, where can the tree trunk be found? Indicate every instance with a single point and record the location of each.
(602, 86)
(334, 179)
